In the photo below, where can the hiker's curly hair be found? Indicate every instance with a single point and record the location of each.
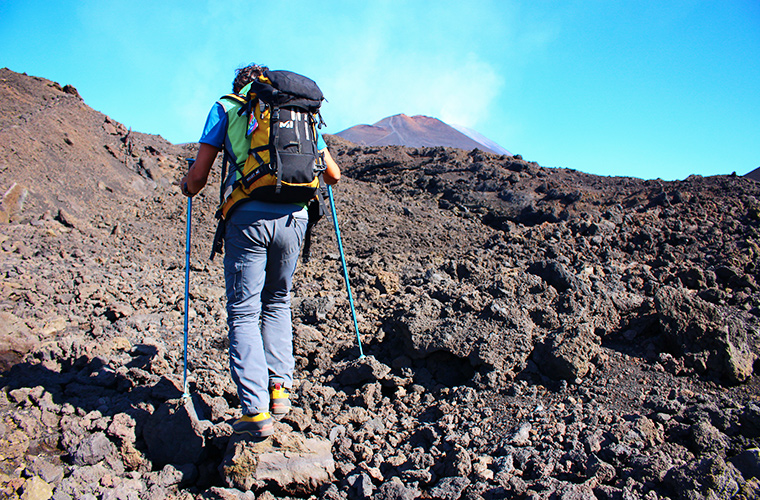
(245, 75)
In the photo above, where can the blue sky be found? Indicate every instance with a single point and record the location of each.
(650, 89)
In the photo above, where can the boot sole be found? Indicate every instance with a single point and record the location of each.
(263, 432)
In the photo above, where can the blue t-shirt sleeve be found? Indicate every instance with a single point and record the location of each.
(216, 127)
(320, 142)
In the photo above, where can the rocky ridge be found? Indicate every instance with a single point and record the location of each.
(530, 332)
(754, 175)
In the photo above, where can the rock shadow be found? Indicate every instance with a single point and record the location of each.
(84, 412)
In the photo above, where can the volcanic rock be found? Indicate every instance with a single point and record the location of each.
(287, 462)
(567, 353)
(720, 341)
(708, 475)
(748, 463)
(174, 434)
(529, 332)
(36, 488)
(93, 449)
(363, 370)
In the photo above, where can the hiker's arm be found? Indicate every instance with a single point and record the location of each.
(198, 174)
(331, 174)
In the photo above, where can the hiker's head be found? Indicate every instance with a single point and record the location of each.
(245, 75)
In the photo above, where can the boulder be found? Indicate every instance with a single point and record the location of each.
(705, 438)
(450, 488)
(396, 490)
(93, 449)
(12, 203)
(559, 276)
(361, 485)
(217, 493)
(750, 420)
(748, 463)
(567, 354)
(122, 427)
(15, 337)
(717, 339)
(359, 371)
(174, 434)
(707, 478)
(36, 488)
(286, 462)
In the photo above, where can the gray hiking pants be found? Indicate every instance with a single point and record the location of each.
(261, 247)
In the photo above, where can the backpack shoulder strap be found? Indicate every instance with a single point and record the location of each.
(234, 97)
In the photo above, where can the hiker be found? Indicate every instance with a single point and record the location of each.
(262, 241)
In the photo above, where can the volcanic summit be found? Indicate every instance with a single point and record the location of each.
(418, 131)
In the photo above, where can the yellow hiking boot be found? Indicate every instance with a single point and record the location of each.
(259, 425)
(279, 399)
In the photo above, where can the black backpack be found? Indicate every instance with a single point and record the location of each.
(283, 163)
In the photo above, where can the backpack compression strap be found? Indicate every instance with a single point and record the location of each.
(274, 131)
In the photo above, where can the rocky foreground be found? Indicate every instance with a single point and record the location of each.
(530, 332)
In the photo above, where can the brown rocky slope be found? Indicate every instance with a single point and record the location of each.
(530, 332)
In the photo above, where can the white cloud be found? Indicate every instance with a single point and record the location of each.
(372, 81)
(463, 64)
(371, 60)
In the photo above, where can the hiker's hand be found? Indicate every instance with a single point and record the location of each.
(197, 175)
(184, 188)
(332, 174)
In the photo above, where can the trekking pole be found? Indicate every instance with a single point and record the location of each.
(186, 394)
(345, 268)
